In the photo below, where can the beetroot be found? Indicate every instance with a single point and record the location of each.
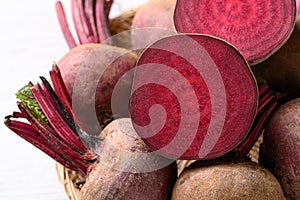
(155, 13)
(114, 165)
(114, 178)
(280, 149)
(256, 28)
(196, 104)
(92, 72)
(282, 69)
(227, 178)
(152, 21)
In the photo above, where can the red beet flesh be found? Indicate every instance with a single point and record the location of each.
(256, 28)
(209, 95)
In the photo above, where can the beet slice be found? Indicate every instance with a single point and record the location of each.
(194, 97)
(256, 28)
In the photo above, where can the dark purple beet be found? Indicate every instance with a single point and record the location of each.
(194, 97)
(280, 149)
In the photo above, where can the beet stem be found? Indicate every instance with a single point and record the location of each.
(102, 22)
(89, 6)
(60, 89)
(64, 113)
(247, 145)
(83, 38)
(90, 18)
(264, 101)
(64, 25)
(61, 95)
(266, 107)
(36, 123)
(77, 131)
(263, 88)
(108, 4)
(18, 115)
(56, 120)
(87, 26)
(53, 140)
(28, 133)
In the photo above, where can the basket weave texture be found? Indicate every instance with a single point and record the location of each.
(70, 179)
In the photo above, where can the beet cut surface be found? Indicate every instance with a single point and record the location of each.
(256, 28)
(194, 97)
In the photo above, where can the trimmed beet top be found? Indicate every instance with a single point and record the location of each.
(256, 28)
(194, 97)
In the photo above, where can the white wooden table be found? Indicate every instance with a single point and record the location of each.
(30, 41)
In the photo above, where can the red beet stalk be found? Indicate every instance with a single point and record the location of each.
(27, 132)
(64, 25)
(60, 136)
(90, 19)
(268, 103)
(102, 21)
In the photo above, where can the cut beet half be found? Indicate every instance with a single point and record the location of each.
(256, 28)
(193, 97)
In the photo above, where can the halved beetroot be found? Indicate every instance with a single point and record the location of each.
(256, 28)
(194, 97)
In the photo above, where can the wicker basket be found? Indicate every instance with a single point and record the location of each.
(70, 179)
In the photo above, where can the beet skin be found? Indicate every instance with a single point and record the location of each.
(226, 179)
(280, 149)
(90, 73)
(113, 176)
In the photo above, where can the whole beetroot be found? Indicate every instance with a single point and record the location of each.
(91, 72)
(152, 21)
(280, 149)
(155, 13)
(113, 178)
(232, 178)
